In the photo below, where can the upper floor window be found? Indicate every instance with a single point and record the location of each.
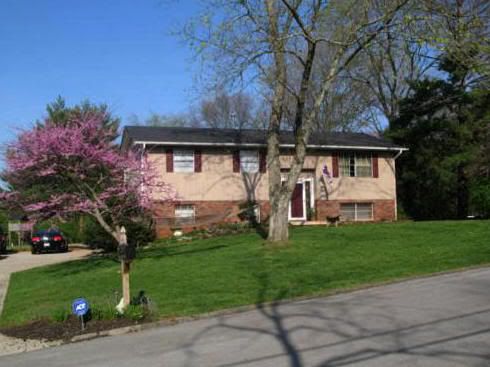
(183, 160)
(356, 165)
(249, 161)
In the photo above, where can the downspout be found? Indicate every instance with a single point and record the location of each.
(142, 157)
(142, 164)
(400, 152)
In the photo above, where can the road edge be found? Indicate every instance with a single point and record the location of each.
(241, 309)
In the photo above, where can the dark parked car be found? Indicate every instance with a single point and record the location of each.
(48, 241)
(3, 242)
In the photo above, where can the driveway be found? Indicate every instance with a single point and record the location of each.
(437, 321)
(22, 261)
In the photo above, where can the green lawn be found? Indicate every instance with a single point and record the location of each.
(224, 272)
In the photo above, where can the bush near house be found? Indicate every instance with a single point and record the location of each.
(210, 274)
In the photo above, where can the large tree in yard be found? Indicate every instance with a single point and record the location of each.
(64, 169)
(62, 115)
(446, 127)
(295, 51)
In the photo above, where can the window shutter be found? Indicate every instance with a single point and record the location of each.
(236, 161)
(197, 161)
(335, 165)
(375, 166)
(262, 161)
(170, 160)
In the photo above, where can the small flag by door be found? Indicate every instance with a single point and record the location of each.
(327, 175)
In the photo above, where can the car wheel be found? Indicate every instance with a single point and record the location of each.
(34, 252)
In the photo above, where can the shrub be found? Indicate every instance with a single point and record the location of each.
(247, 211)
(137, 312)
(480, 198)
(61, 315)
(139, 234)
(103, 312)
(223, 229)
(107, 311)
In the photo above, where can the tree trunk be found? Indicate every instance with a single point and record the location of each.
(113, 232)
(278, 230)
(278, 221)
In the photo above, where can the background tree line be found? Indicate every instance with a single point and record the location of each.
(413, 71)
(421, 80)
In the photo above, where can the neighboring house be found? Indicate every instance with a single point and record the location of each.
(216, 172)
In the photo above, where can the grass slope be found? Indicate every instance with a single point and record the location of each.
(229, 271)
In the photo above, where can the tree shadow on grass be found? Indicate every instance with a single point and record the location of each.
(94, 262)
(78, 266)
(163, 252)
(260, 229)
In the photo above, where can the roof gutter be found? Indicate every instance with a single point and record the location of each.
(254, 145)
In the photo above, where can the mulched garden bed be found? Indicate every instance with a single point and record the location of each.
(49, 330)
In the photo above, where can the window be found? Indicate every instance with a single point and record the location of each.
(356, 211)
(356, 165)
(249, 161)
(184, 213)
(183, 161)
(364, 211)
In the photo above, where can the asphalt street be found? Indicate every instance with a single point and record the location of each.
(436, 321)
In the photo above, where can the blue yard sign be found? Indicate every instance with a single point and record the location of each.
(79, 307)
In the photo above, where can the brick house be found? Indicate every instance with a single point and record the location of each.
(216, 172)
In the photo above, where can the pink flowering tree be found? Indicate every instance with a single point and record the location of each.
(58, 171)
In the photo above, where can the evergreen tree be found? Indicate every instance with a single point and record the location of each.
(442, 124)
(62, 115)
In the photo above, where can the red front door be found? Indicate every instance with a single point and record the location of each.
(297, 202)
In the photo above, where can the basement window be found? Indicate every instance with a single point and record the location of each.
(356, 212)
(184, 214)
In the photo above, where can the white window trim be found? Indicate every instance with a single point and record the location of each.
(312, 197)
(181, 206)
(355, 154)
(356, 219)
(255, 153)
(182, 152)
(185, 220)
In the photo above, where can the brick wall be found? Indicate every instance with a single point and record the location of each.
(206, 213)
(213, 212)
(383, 210)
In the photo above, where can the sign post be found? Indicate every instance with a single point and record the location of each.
(80, 308)
(126, 254)
(125, 267)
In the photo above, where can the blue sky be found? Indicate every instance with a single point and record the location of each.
(118, 52)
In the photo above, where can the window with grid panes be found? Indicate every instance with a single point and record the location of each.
(356, 165)
(249, 161)
(183, 160)
(184, 214)
(356, 211)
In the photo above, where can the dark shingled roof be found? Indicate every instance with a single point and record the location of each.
(205, 136)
